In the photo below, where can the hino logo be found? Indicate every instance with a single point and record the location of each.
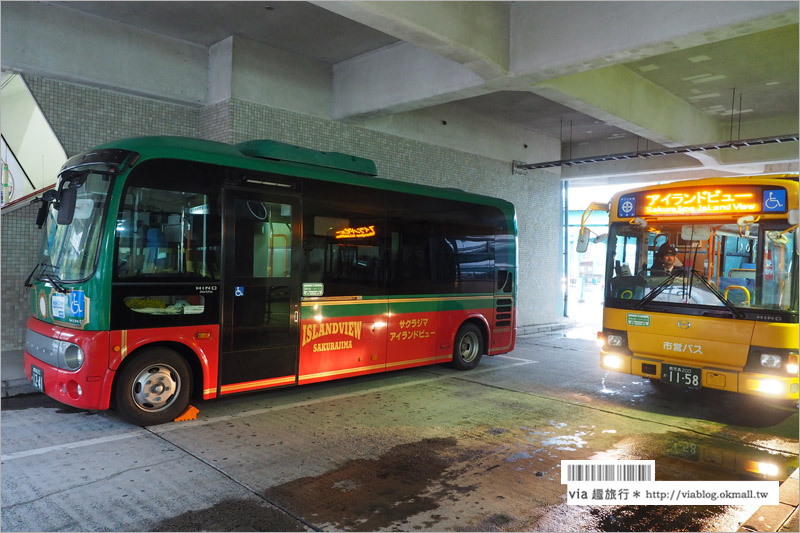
(205, 289)
(684, 324)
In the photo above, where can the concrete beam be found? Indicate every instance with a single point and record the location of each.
(622, 98)
(551, 39)
(455, 127)
(545, 42)
(266, 75)
(399, 78)
(107, 55)
(474, 34)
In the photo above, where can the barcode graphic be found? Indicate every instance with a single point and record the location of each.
(576, 471)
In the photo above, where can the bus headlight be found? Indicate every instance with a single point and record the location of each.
(601, 340)
(792, 365)
(611, 361)
(768, 469)
(769, 386)
(73, 356)
(615, 340)
(771, 360)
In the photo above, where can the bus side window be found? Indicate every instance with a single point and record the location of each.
(167, 233)
(505, 281)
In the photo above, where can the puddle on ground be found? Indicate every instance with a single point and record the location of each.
(232, 515)
(576, 518)
(682, 456)
(370, 494)
(671, 518)
(678, 456)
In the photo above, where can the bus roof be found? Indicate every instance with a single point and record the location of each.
(280, 158)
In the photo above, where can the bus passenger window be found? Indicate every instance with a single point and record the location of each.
(167, 233)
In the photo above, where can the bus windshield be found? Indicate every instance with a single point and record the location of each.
(731, 266)
(68, 252)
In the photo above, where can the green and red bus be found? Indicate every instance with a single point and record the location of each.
(174, 269)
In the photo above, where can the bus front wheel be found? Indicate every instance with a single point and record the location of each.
(153, 388)
(468, 348)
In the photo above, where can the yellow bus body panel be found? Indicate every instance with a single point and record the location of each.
(717, 346)
(775, 335)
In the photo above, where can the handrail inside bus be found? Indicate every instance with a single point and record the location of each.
(738, 288)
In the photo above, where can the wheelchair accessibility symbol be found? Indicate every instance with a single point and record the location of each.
(775, 201)
(76, 304)
(239, 291)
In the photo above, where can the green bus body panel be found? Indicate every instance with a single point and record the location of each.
(287, 152)
(299, 162)
(217, 153)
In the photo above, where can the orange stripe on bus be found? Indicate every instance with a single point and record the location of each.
(252, 385)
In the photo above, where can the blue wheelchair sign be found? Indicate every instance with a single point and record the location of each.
(76, 304)
(239, 291)
(774, 201)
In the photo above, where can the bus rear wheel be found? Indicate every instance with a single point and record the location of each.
(153, 388)
(468, 348)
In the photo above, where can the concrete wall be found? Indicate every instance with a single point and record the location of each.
(83, 117)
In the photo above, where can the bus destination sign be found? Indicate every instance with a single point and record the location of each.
(734, 199)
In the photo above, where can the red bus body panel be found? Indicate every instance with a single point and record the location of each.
(329, 349)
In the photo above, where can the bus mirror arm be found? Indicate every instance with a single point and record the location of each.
(583, 234)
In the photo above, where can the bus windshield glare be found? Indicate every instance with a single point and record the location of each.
(68, 251)
(730, 265)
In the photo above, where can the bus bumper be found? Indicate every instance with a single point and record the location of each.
(89, 387)
(763, 385)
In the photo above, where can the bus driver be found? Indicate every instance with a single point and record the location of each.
(665, 259)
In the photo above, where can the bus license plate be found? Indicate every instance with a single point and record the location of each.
(682, 376)
(37, 378)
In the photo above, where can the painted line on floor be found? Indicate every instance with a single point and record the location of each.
(168, 428)
(72, 445)
(160, 430)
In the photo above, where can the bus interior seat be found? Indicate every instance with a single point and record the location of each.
(628, 287)
(743, 276)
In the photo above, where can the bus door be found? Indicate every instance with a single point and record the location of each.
(260, 291)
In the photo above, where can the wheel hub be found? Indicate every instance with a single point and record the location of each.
(155, 387)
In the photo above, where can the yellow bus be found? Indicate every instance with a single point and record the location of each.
(702, 284)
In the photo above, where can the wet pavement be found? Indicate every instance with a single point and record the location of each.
(424, 449)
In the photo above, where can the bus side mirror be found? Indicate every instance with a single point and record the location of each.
(46, 199)
(66, 205)
(583, 240)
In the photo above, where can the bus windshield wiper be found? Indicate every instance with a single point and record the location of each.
(658, 289)
(47, 277)
(56, 285)
(30, 276)
(715, 292)
(35, 269)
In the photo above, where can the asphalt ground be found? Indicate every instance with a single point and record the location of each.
(423, 449)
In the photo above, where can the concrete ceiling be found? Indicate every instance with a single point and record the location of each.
(298, 27)
(571, 92)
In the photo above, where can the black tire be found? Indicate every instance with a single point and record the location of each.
(468, 347)
(153, 387)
